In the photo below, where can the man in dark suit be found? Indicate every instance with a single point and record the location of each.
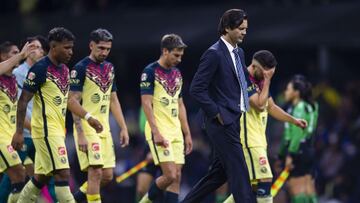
(219, 86)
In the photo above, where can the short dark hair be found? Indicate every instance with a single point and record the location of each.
(172, 41)
(301, 83)
(5, 47)
(265, 58)
(101, 35)
(59, 34)
(232, 19)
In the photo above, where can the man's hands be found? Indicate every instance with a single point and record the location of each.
(17, 141)
(188, 143)
(27, 50)
(301, 123)
(160, 140)
(124, 137)
(82, 142)
(289, 163)
(268, 73)
(94, 123)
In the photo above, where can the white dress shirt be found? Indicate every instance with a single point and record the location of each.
(231, 49)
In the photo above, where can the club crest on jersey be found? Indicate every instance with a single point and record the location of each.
(61, 151)
(262, 160)
(10, 149)
(166, 152)
(63, 160)
(95, 146)
(31, 76)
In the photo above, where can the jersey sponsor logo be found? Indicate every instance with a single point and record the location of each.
(174, 112)
(59, 77)
(9, 87)
(262, 161)
(103, 109)
(57, 100)
(61, 151)
(10, 149)
(6, 108)
(102, 77)
(171, 82)
(95, 146)
(144, 77)
(144, 84)
(13, 119)
(95, 98)
(164, 101)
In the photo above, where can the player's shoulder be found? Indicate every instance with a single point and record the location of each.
(150, 68)
(83, 63)
(41, 66)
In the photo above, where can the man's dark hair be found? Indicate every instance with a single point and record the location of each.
(265, 58)
(5, 47)
(172, 41)
(232, 19)
(101, 35)
(60, 34)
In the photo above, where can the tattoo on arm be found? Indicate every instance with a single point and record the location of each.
(21, 109)
(77, 119)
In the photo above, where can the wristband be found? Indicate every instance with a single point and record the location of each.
(87, 116)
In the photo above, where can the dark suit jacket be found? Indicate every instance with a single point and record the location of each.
(215, 84)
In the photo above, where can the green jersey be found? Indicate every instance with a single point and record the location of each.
(293, 135)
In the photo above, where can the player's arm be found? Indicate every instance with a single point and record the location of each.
(18, 139)
(185, 126)
(7, 65)
(279, 114)
(146, 102)
(259, 99)
(115, 108)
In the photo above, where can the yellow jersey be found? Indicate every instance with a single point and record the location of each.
(96, 82)
(50, 85)
(165, 86)
(8, 104)
(253, 123)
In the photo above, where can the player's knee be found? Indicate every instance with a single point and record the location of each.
(170, 177)
(17, 173)
(95, 174)
(62, 175)
(106, 178)
(178, 176)
(263, 189)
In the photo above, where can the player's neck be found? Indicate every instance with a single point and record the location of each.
(228, 39)
(29, 62)
(162, 63)
(91, 57)
(53, 60)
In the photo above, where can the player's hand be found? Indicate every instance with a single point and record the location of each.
(124, 138)
(17, 141)
(82, 142)
(188, 144)
(27, 49)
(94, 123)
(219, 119)
(269, 73)
(289, 163)
(300, 123)
(160, 140)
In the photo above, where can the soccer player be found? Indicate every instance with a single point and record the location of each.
(297, 146)
(167, 130)
(93, 84)
(253, 124)
(10, 161)
(48, 82)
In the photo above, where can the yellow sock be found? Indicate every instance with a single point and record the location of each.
(29, 193)
(84, 187)
(230, 199)
(95, 198)
(13, 197)
(63, 194)
(145, 199)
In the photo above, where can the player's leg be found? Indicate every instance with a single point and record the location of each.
(165, 158)
(91, 161)
(10, 159)
(297, 189)
(173, 190)
(310, 189)
(143, 182)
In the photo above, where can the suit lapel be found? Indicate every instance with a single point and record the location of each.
(227, 55)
